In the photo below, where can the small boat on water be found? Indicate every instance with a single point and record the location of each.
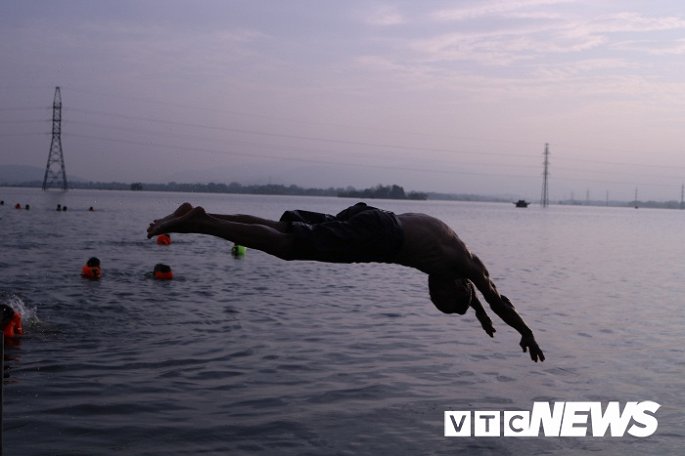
(521, 203)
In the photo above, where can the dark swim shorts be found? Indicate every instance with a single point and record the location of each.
(359, 234)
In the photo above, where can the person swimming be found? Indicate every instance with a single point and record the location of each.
(162, 272)
(10, 321)
(92, 270)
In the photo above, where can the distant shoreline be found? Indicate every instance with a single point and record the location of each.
(379, 192)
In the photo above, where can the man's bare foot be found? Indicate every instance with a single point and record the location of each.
(173, 221)
(181, 210)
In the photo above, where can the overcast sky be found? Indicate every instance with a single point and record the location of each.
(457, 96)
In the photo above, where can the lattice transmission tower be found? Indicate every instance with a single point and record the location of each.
(54, 171)
(544, 198)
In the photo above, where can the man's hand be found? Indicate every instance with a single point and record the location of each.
(486, 323)
(528, 344)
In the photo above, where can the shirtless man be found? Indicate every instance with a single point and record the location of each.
(362, 233)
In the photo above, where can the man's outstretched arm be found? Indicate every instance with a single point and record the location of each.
(509, 315)
(481, 314)
(504, 309)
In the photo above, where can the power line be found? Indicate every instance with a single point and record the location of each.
(243, 114)
(604, 162)
(306, 160)
(595, 181)
(23, 134)
(23, 121)
(360, 143)
(338, 141)
(252, 143)
(289, 136)
(42, 108)
(328, 140)
(290, 120)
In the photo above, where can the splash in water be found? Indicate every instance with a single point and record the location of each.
(28, 314)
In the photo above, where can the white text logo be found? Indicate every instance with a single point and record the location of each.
(563, 419)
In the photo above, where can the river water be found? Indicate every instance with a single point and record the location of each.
(255, 355)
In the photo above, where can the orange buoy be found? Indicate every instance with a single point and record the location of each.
(162, 272)
(11, 322)
(163, 239)
(17, 206)
(91, 270)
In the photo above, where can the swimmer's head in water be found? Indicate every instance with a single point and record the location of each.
(6, 314)
(93, 262)
(162, 272)
(450, 295)
(160, 267)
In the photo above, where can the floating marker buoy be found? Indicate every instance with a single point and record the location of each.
(27, 207)
(162, 272)
(163, 239)
(238, 250)
(91, 270)
(17, 206)
(91, 209)
(11, 321)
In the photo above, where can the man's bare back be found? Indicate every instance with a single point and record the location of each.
(426, 244)
(431, 246)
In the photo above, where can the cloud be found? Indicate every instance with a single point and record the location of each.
(584, 67)
(659, 48)
(506, 47)
(551, 32)
(556, 34)
(491, 9)
(633, 22)
(384, 16)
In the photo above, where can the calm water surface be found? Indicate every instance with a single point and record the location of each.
(261, 356)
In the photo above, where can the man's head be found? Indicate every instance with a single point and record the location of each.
(449, 294)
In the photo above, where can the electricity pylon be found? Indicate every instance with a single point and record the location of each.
(544, 199)
(54, 171)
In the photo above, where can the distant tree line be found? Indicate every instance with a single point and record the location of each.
(384, 192)
(379, 191)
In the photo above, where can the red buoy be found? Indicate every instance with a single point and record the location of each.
(163, 239)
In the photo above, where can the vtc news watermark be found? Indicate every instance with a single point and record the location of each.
(557, 419)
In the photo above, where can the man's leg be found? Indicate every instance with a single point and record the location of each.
(181, 210)
(265, 237)
(240, 218)
(252, 220)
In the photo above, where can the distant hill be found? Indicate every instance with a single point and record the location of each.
(24, 174)
(17, 174)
